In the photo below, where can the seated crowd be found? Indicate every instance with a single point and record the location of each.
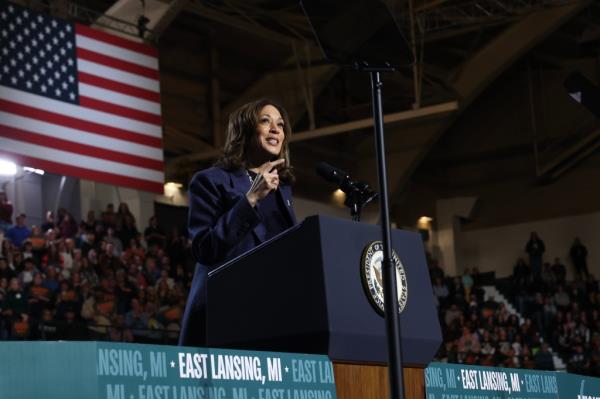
(556, 314)
(102, 279)
(99, 279)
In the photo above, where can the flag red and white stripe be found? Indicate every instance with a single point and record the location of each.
(113, 135)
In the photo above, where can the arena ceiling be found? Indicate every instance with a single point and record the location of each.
(218, 54)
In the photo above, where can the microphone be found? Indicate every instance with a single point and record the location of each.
(358, 194)
(331, 173)
(343, 180)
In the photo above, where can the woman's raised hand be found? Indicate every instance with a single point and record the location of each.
(266, 180)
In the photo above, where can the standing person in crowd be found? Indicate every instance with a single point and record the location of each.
(67, 225)
(109, 216)
(243, 200)
(123, 212)
(90, 222)
(126, 230)
(154, 235)
(49, 224)
(19, 232)
(6, 211)
(535, 248)
(579, 255)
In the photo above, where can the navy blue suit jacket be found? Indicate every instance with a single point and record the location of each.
(222, 225)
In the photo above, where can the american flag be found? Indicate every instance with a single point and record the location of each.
(78, 101)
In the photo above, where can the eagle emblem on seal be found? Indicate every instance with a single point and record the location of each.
(372, 277)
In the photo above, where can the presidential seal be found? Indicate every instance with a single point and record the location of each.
(372, 276)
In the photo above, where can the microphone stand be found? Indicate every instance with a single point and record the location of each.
(354, 203)
(357, 196)
(371, 60)
(390, 285)
(356, 199)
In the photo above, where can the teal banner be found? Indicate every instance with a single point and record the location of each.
(74, 370)
(573, 386)
(456, 381)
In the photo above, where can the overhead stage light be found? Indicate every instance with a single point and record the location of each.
(29, 169)
(7, 168)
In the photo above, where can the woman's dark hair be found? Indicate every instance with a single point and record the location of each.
(242, 128)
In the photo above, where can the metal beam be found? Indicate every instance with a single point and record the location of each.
(433, 110)
(440, 16)
(570, 157)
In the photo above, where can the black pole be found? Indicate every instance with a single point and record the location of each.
(390, 293)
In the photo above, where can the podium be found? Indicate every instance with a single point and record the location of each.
(302, 291)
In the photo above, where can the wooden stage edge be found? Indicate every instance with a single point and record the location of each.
(361, 381)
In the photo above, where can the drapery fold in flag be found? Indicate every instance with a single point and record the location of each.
(78, 101)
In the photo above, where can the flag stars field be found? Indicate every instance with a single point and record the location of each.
(79, 97)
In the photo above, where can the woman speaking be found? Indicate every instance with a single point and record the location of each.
(243, 200)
